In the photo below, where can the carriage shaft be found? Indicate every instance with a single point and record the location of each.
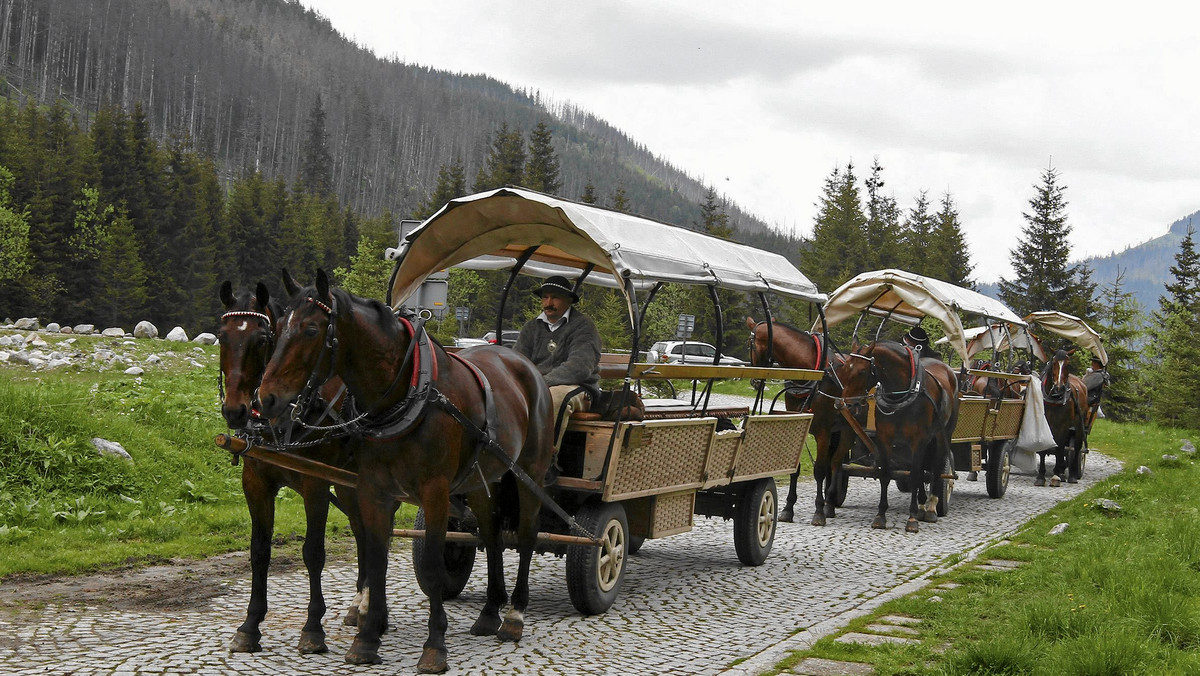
(510, 538)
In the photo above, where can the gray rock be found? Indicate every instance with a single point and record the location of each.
(1060, 529)
(1144, 470)
(101, 354)
(177, 335)
(56, 363)
(145, 329)
(53, 327)
(134, 371)
(37, 341)
(1188, 447)
(205, 339)
(84, 329)
(1171, 458)
(4, 356)
(27, 324)
(106, 447)
(21, 357)
(5, 341)
(1108, 505)
(66, 329)
(113, 332)
(154, 359)
(36, 362)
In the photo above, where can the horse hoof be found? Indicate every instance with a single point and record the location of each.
(830, 510)
(433, 661)
(351, 618)
(930, 516)
(818, 519)
(879, 523)
(486, 625)
(1055, 482)
(362, 653)
(1072, 479)
(972, 476)
(513, 627)
(911, 526)
(1040, 481)
(312, 642)
(785, 516)
(245, 643)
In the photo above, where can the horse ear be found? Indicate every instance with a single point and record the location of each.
(750, 323)
(227, 293)
(322, 284)
(263, 295)
(290, 285)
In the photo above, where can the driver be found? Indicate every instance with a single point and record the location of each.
(565, 346)
(918, 339)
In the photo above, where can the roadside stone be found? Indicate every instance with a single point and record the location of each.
(1108, 505)
(113, 332)
(53, 327)
(145, 329)
(177, 335)
(154, 359)
(21, 357)
(1188, 447)
(66, 329)
(1144, 470)
(106, 447)
(935, 599)
(860, 638)
(84, 329)
(205, 338)
(894, 629)
(816, 666)
(1006, 563)
(1059, 529)
(1171, 458)
(134, 371)
(904, 619)
(27, 324)
(56, 363)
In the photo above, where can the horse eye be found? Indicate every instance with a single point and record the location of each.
(311, 330)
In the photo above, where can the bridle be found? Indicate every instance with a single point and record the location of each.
(888, 402)
(269, 344)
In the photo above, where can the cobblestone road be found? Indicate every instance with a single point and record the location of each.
(687, 606)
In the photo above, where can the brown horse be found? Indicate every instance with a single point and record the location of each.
(1066, 412)
(996, 388)
(433, 426)
(246, 336)
(793, 348)
(915, 413)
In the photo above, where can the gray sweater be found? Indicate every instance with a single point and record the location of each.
(568, 356)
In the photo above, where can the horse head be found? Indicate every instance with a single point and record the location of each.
(1056, 377)
(246, 337)
(788, 346)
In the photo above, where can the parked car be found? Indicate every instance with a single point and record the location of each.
(469, 342)
(509, 337)
(689, 352)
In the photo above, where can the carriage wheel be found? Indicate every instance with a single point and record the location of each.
(594, 574)
(459, 560)
(635, 543)
(943, 488)
(754, 522)
(999, 467)
(840, 488)
(1083, 454)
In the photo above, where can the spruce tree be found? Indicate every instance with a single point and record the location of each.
(1044, 279)
(316, 161)
(915, 236)
(14, 233)
(881, 231)
(1183, 292)
(620, 201)
(589, 194)
(505, 165)
(1120, 326)
(948, 250)
(451, 184)
(835, 252)
(1174, 350)
(541, 170)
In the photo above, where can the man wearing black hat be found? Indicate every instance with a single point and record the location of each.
(918, 338)
(565, 346)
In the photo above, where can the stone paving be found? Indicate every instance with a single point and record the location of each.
(687, 605)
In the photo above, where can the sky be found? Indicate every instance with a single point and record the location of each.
(762, 100)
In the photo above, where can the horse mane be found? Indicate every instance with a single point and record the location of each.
(383, 317)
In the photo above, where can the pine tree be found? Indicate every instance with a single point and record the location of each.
(14, 233)
(948, 247)
(620, 202)
(316, 162)
(505, 165)
(589, 194)
(915, 236)
(122, 275)
(1183, 293)
(714, 220)
(368, 271)
(1044, 279)
(1121, 328)
(1174, 350)
(835, 250)
(451, 184)
(541, 171)
(881, 231)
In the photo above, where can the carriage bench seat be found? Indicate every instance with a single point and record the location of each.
(677, 413)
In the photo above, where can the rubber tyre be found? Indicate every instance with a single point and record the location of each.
(459, 560)
(635, 543)
(840, 489)
(595, 574)
(944, 488)
(754, 522)
(999, 467)
(1083, 454)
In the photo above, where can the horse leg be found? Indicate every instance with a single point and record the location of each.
(376, 510)
(1060, 464)
(821, 478)
(1041, 475)
(787, 515)
(916, 485)
(348, 501)
(885, 477)
(260, 500)
(488, 622)
(435, 498)
(527, 529)
(316, 513)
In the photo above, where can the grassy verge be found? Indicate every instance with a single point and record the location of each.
(1117, 593)
(66, 509)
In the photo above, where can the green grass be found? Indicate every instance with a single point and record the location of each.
(65, 509)
(1117, 593)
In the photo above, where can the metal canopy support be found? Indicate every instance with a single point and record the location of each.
(512, 278)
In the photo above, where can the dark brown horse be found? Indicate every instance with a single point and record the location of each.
(792, 348)
(246, 336)
(434, 425)
(1065, 398)
(915, 413)
(995, 388)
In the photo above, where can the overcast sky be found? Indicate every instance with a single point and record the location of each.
(763, 99)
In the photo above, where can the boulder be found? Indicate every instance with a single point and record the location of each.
(66, 329)
(84, 329)
(113, 332)
(177, 335)
(27, 324)
(134, 371)
(205, 339)
(53, 327)
(154, 359)
(106, 447)
(145, 329)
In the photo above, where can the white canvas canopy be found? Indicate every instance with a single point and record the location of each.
(1072, 328)
(1000, 338)
(908, 298)
(491, 230)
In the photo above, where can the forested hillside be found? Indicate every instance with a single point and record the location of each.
(242, 80)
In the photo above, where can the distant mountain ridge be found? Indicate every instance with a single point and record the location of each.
(1145, 268)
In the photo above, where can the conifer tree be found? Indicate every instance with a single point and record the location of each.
(541, 170)
(316, 161)
(620, 201)
(1120, 326)
(714, 220)
(1174, 350)
(881, 231)
(1044, 279)
(589, 194)
(916, 234)
(122, 275)
(835, 250)
(451, 184)
(505, 164)
(14, 233)
(1183, 292)
(948, 249)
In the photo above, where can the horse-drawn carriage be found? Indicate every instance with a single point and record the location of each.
(469, 435)
(987, 425)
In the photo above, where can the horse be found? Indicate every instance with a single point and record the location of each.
(246, 335)
(1066, 407)
(793, 348)
(432, 426)
(995, 388)
(915, 413)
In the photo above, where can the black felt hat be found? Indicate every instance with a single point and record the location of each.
(917, 336)
(557, 284)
